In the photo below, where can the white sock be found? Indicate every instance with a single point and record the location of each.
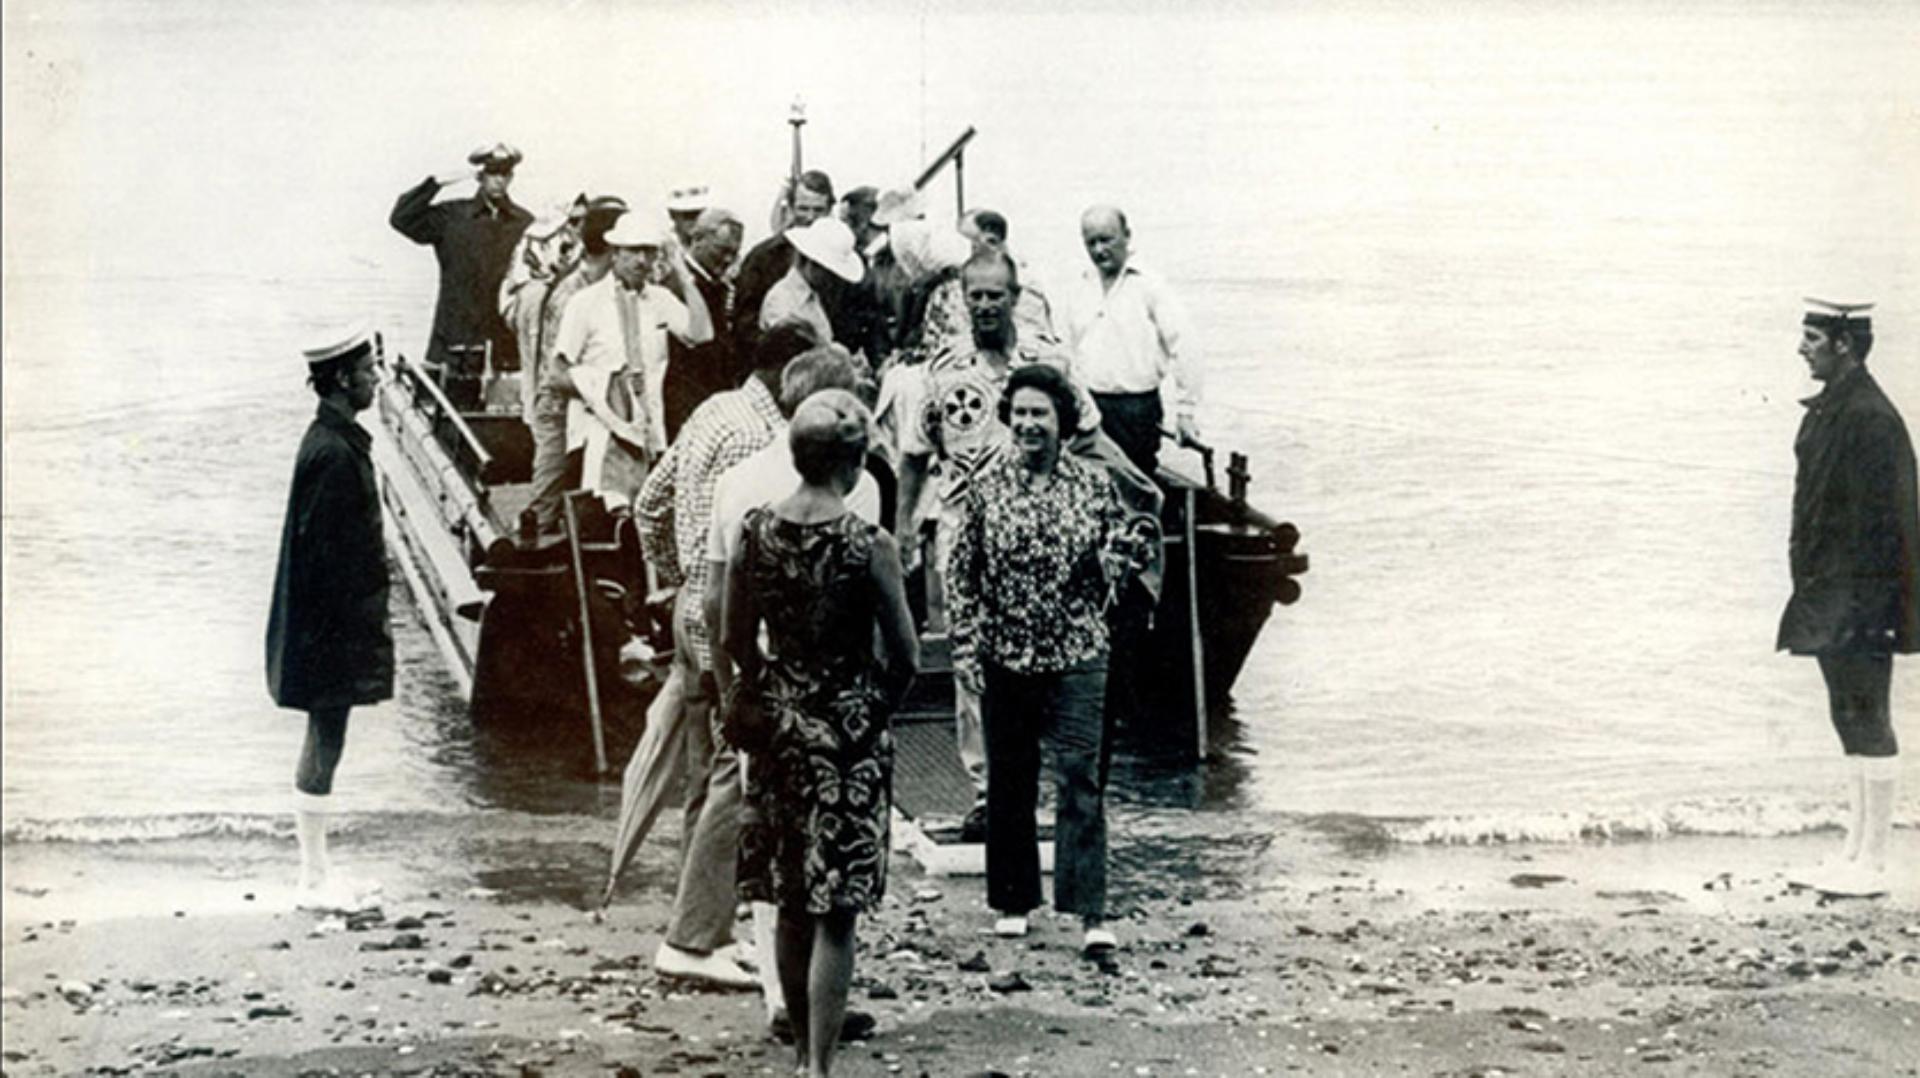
(765, 916)
(1881, 783)
(310, 813)
(1856, 807)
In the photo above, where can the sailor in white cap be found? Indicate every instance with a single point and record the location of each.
(329, 647)
(1855, 557)
(824, 260)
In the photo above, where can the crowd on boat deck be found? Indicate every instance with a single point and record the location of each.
(739, 403)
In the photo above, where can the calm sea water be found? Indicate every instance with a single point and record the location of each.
(1502, 306)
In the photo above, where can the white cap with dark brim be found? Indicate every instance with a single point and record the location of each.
(340, 344)
(1829, 314)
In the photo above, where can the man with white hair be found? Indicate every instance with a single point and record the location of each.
(698, 371)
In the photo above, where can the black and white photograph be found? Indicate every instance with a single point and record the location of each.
(945, 540)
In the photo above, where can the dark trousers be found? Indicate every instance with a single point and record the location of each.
(1133, 421)
(1857, 690)
(1063, 709)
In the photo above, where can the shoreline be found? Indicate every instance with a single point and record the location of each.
(1303, 951)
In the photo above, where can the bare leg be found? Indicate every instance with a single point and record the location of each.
(793, 954)
(828, 979)
(320, 756)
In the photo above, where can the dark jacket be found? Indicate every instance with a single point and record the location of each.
(328, 643)
(474, 247)
(759, 272)
(1855, 548)
(698, 371)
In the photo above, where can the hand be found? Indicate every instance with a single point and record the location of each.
(1187, 429)
(969, 679)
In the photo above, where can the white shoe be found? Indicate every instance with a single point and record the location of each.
(339, 893)
(715, 969)
(1829, 867)
(1010, 927)
(1854, 880)
(1098, 941)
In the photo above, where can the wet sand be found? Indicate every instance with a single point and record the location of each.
(1332, 956)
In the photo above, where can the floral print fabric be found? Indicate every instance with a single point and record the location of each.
(816, 833)
(1036, 563)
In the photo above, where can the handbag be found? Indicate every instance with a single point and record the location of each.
(744, 719)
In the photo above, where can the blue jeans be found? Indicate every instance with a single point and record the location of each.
(1063, 709)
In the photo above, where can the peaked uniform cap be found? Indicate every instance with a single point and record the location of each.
(497, 156)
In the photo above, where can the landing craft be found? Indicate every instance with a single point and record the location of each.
(566, 641)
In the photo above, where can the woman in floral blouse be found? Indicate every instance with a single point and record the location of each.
(1045, 546)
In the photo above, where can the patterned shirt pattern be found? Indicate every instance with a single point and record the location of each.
(950, 408)
(675, 508)
(1037, 561)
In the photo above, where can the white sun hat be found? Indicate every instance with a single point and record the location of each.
(829, 242)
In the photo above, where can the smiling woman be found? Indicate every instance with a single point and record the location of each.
(1043, 547)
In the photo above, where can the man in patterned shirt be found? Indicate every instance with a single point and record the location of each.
(948, 431)
(674, 511)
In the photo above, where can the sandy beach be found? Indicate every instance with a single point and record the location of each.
(1332, 953)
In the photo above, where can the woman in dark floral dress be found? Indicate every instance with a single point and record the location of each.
(820, 581)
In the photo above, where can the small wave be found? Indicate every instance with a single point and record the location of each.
(1740, 818)
(112, 830)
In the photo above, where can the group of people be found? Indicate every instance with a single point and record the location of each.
(740, 408)
(736, 405)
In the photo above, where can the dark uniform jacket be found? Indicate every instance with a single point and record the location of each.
(474, 246)
(328, 643)
(1855, 549)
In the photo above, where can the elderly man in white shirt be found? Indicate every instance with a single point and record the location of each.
(613, 341)
(1129, 336)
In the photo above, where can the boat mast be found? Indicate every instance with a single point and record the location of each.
(797, 119)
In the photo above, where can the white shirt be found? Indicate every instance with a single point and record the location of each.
(592, 335)
(768, 476)
(1130, 337)
(792, 299)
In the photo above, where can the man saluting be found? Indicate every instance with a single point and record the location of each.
(329, 648)
(473, 240)
(1855, 554)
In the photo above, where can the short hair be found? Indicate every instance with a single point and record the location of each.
(781, 343)
(1119, 215)
(713, 220)
(829, 433)
(1859, 337)
(826, 366)
(594, 228)
(816, 181)
(992, 222)
(1053, 382)
(326, 377)
(991, 259)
